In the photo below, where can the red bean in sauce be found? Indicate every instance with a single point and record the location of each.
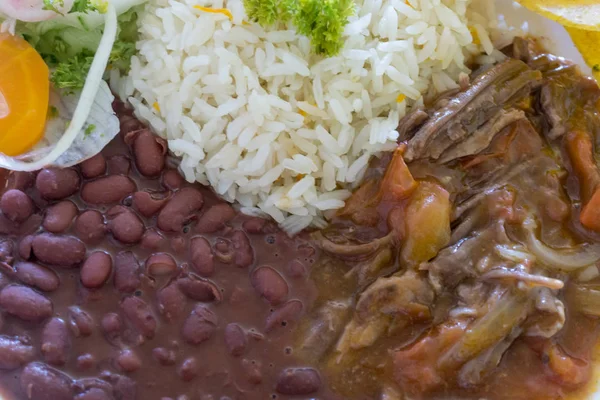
(55, 341)
(127, 272)
(298, 381)
(38, 276)
(56, 184)
(59, 216)
(180, 209)
(270, 285)
(107, 190)
(149, 203)
(25, 303)
(199, 326)
(16, 205)
(138, 312)
(149, 151)
(214, 218)
(201, 256)
(80, 313)
(94, 166)
(90, 226)
(96, 269)
(125, 225)
(42, 382)
(15, 352)
(64, 251)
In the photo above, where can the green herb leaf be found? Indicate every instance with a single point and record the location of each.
(71, 74)
(323, 21)
(90, 129)
(51, 5)
(86, 6)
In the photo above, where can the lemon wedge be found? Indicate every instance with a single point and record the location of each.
(583, 14)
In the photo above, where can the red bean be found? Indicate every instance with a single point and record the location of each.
(171, 302)
(252, 370)
(65, 251)
(80, 322)
(180, 209)
(111, 326)
(285, 314)
(40, 382)
(85, 362)
(56, 184)
(296, 269)
(149, 203)
(298, 381)
(16, 205)
(254, 225)
(128, 361)
(107, 190)
(94, 166)
(35, 275)
(160, 264)
(199, 289)
(55, 342)
(199, 326)
(149, 151)
(25, 303)
(127, 272)
(215, 218)
(15, 352)
(90, 226)
(152, 240)
(125, 225)
(201, 256)
(25, 247)
(20, 180)
(243, 254)
(178, 244)
(59, 216)
(164, 356)
(138, 312)
(119, 165)
(94, 394)
(96, 270)
(172, 179)
(188, 369)
(124, 388)
(235, 339)
(270, 285)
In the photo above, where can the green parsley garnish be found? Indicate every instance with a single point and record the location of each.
(596, 67)
(90, 129)
(52, 112)
(323, 21)
(51, 5)
(71, 74)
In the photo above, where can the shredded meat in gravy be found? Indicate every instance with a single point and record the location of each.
(466, 266)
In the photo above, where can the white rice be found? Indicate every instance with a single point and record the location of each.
(284, 132)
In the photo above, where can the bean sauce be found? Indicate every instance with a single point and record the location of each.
(122, 281)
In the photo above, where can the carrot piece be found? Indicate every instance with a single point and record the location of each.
(581, 153)
(398, 183)
(566, 369)
(590, 213)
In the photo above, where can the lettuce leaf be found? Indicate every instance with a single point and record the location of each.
(68, 45)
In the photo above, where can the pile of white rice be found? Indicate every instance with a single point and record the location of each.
(268, 124)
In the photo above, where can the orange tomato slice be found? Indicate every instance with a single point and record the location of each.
(24, 95)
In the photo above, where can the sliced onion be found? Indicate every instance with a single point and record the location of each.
(86, 100)
(567, 260)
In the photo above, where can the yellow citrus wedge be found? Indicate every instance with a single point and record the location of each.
(583, 14)
(587, 44)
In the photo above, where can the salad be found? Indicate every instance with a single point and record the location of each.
(55, 107)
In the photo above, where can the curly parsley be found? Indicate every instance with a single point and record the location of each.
(323, 21)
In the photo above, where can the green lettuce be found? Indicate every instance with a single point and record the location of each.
(68, 43)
